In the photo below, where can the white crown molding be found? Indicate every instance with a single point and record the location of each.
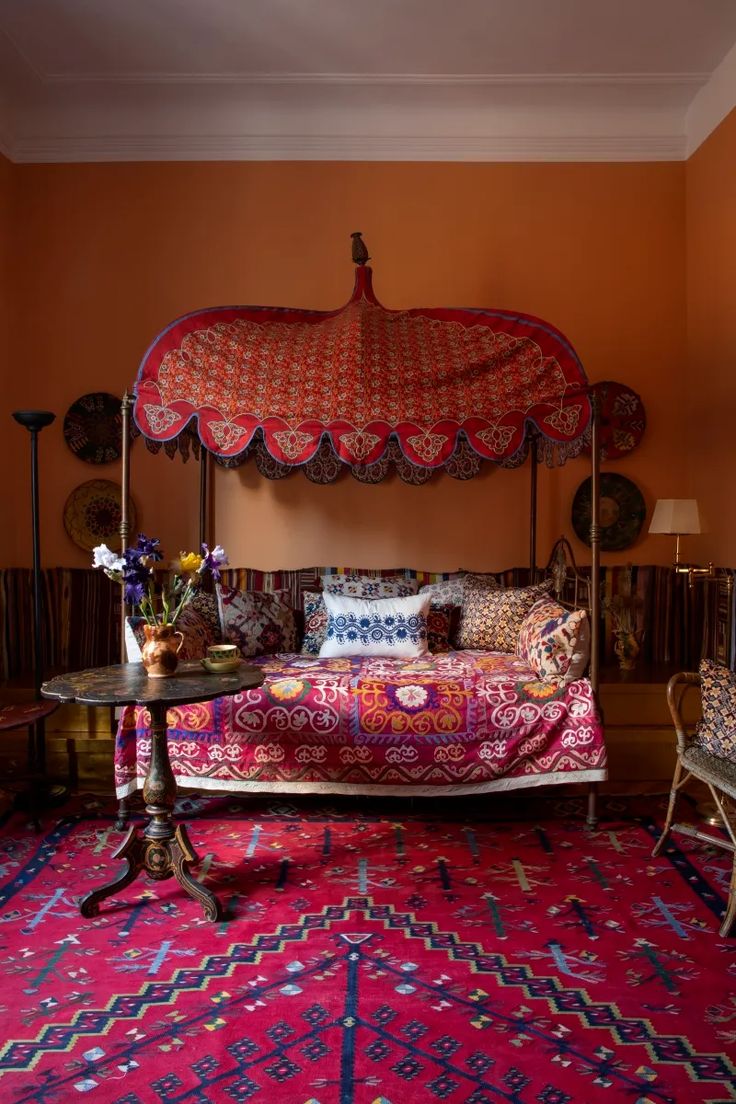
(460, 80)
(710, 106)
(238, 147)
(359, 117)
(232, 111)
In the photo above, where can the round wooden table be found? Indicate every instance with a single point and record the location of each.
(30, 715)
(163, 849)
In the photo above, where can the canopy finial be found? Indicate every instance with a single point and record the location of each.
(360, 250)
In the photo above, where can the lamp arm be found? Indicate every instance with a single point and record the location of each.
(694, 573)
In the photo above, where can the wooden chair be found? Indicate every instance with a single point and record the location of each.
(719, 775)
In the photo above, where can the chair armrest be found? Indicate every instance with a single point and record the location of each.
(677, 688)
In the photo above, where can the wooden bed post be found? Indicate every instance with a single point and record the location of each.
(124, 509)
(533, 454)
(203, 494)
(595, 575)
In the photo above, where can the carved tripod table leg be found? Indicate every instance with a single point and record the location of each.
(163, 850)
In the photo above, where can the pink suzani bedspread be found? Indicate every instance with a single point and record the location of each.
(457, 722)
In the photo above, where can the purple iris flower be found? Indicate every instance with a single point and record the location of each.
(136, 572)
(148, 546)
(132, 559)
(213, 561)
(136, 575)
(135, 590)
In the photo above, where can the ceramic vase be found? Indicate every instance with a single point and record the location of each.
(160, 652)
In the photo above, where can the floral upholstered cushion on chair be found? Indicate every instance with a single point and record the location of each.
(716, 732)
(369, 586)
(555, 642)
(491, 618)
(394, 627)
(259, 623)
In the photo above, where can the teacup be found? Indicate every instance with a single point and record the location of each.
(223, 653)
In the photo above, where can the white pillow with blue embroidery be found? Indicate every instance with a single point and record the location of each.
(393, 627)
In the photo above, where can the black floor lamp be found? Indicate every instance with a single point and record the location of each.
(34, 421)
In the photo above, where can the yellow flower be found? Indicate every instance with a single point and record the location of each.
(541, 689)
(286, 689)
(190, 562)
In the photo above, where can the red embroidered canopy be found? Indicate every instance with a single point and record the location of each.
(364, 379)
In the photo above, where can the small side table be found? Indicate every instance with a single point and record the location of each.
(163, 849)
(28, 715)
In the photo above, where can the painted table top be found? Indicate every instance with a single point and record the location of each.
(128, 684)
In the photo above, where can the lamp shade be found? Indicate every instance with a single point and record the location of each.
(675, 515)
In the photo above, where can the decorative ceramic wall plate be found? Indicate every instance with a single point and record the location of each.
(622, 420)
(93, 428)
(92, 514)
(622, 512)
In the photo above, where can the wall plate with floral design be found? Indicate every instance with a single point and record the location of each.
(92, 514)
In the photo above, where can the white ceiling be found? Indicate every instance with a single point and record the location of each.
(383, 79)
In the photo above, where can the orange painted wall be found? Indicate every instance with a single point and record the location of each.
(710, 394)
(105, 255)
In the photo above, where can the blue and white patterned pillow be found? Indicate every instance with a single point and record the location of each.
(395, 627)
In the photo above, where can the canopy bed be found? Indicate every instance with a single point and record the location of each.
(371, 389)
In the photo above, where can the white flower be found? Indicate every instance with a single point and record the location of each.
(216, 558)
(412, 696)
(104, 557)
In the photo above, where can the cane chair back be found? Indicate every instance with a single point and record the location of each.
(707, 753)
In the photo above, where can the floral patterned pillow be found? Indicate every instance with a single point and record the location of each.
(481, 581)
(555, 642)
(448, 592)
(369, 586)
(394, 627)
(315, 622)
(206, 606)
(259, 623)
(198, 632)
(439, 620)
(716, 732)
(491, 619)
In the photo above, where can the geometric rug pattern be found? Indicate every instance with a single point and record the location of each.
(371, 954)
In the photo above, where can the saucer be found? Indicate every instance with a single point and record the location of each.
(220, 666)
